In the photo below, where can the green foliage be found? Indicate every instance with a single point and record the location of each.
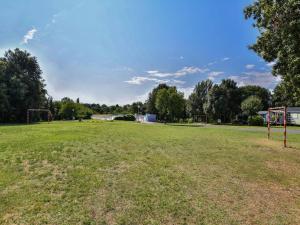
(125, 118)
(69, 110)
(21, 85)
(223, 101)
(283, 96)
(151, 102)
(252, 90)
(256, 121)
(170, 104)
(278, 22)
(134, 108)
(251, 105)
(162, 103)
(199, 98)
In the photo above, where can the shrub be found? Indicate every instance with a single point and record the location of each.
(125, 118)
(256, 121)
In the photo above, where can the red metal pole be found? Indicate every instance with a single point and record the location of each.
(285, 122)
(268, 119)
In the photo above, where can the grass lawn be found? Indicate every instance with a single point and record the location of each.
(129, 173)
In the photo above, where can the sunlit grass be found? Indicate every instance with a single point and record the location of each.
(130, 173)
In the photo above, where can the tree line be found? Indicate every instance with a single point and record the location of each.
(225, 101)
(22, 88)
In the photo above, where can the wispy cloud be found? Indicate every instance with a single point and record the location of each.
(225, 59)
(212, 63)
(265, 79)
(212, 75)
(166, 77)
(29, 36)
(180, 73)
(218, 61)
(250, 66)
(139, 80)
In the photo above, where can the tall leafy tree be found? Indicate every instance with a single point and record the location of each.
(278, 22)
(223, 101)
(4, 101)
(151, 102)
(24, 83)
(162, 103)
(199, 97)
(232, 94)
(177, 104)
(170, 104)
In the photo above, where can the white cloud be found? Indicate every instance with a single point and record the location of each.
(226, 59)
(271, 64)
(139, 80)
(212, 75)
(212, 63)
(166, 77)
(250, 66)
(29, 36)
(142, 80)
(187, 91)
(265, 79)
(152, 71)
(180, 73)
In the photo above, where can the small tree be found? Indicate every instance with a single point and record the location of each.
(251, 105)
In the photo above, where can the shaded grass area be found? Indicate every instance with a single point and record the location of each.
(129, 173)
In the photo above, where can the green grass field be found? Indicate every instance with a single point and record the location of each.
(129, 173)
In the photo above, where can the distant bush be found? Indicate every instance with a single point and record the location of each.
(256, 121)
(125, 118)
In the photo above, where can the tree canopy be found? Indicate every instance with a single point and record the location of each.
(170, 104)
(223, 101)
(251, 105)
(199, 97)
(253, 90)
(278, 22)
(151, 102)
(283, 96)
(22, 86)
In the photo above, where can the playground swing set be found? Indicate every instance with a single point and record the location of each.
(278, 116)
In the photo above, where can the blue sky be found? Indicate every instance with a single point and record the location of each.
(116, 51)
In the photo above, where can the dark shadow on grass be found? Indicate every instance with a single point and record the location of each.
(12, 124)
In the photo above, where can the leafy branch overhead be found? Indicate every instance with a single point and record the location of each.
(278, 22)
